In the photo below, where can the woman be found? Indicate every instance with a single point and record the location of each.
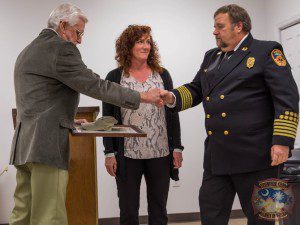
(158, 156)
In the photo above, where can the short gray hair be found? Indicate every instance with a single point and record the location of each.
(65, 12)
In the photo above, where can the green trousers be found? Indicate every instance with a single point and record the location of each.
(40, 195)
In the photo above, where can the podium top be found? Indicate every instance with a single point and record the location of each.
(116, 131)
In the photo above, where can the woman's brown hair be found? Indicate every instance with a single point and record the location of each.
(127, 40)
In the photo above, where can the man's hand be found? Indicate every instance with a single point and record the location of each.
(111, 165)
(167, 97)
(279, 154)
(80, 121)
(152, 96)
(177, 159)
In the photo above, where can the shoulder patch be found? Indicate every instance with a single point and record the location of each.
(278, 57)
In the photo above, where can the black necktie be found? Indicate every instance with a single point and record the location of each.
(224, 57)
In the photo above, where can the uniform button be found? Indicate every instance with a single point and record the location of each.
(209, 132)
(291, 118)
(224, 114)
(207, 98)
(281, 116)
(286, 117)
(222, 96)
(207, 116)
(287, 113)
(291, 113)
(226, 132)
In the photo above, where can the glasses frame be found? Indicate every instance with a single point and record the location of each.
(78, 33)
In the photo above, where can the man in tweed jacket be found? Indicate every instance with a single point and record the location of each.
(49, 75)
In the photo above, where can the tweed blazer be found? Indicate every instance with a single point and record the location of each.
(49, 75)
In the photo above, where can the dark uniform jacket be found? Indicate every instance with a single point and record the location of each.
(250, 102)
(49, 75)
(113, 145)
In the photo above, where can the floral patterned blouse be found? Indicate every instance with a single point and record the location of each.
(149, 119)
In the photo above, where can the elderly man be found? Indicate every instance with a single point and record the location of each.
(251, 103)
(49, 75)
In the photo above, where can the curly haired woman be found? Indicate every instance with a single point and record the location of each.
(159, 155)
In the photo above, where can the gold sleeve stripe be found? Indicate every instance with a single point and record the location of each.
(189, 97)
(286, 121)
(182, 97)
(285, 128)
(186, 97)
(285, 125)
(284, 134)
(284, 131)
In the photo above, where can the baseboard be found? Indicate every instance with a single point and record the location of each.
(173, 218)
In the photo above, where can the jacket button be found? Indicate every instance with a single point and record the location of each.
(207, 98)
(287, 113)
(207, 116)
(224, 115)
(281, 117)
(209, 132)
(226, 132)
(222, 96)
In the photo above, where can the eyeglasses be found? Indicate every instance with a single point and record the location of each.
(78, 33)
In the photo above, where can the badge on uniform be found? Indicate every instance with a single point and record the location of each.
(278, 57)
(250, 62)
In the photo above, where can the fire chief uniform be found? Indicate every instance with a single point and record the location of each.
(251, 104)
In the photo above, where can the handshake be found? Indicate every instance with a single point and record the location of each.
(158, 97)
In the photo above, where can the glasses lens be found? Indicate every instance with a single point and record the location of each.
(78, 33)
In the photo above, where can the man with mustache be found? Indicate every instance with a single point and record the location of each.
(251, 104)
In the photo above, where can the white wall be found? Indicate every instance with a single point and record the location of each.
(183, 31)
(278, 13)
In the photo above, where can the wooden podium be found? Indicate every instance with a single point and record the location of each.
(82, 191)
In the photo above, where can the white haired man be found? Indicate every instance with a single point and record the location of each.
(49, 75)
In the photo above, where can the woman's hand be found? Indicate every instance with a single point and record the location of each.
(177, 159)
(111, 165)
